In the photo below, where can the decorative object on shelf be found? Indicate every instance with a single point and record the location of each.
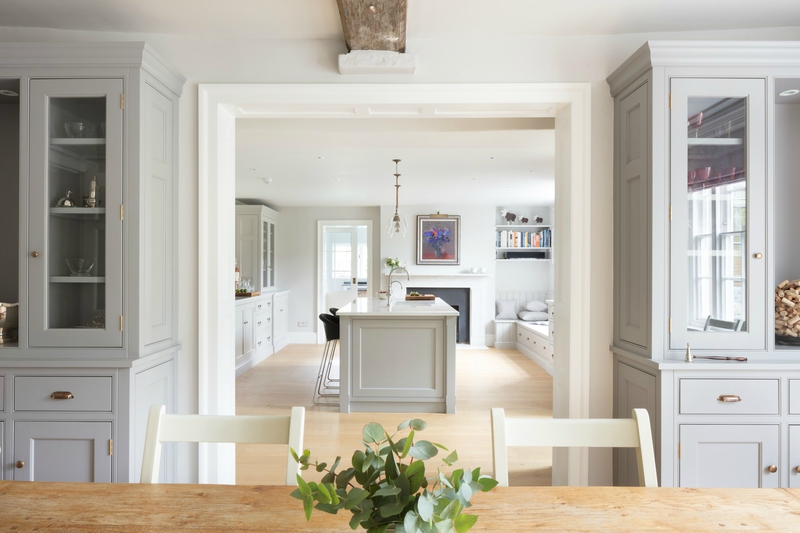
(537, 219)
(787, 313)
(237, 275)
(244, 293)
(9, 322)
(79, 267)
(523, 220)
(392, 262)
(689, 356)
(66, 201)
(91, 199)
(397, 224)
(78, 130)
(381, 491)
(510, 217)
(98, 322)
(438, 239)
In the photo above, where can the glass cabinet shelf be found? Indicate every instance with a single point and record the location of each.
(78, 213)
(77, 279)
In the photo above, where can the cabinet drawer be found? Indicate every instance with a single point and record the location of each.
(265, 305)
(705, 396)
(264, 342)
(794, 396)
(263, 321)
(90, 393)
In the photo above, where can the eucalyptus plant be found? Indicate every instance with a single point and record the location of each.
(381, 491)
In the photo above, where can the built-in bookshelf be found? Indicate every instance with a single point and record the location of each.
(523, 242)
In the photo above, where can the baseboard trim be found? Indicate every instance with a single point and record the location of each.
(253, 361)
(505, 345)
(546, 365)
(302, 337)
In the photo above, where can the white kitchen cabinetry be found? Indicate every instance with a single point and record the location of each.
(704, 170)
(794, 456)
(97, 277)
(255, 245)
(257, 321)
(281, 311)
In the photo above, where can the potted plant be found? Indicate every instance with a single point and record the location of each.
(384, 493)
(392, 262)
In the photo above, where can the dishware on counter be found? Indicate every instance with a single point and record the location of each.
(79, 267)
(9, 321)
(382, 295)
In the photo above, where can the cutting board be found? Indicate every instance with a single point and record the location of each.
(423, 297)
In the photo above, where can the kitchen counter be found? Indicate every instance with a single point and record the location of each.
(399, 357)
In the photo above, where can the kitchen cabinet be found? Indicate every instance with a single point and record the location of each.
(93, 237)
(256, 321)
(794, 456)
(281, 320)
(705, 137)
(255, 245)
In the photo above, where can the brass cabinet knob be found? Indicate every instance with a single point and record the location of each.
(20, 464)
(35, 254)
(798, 469)
(772, 469)
(758, 255)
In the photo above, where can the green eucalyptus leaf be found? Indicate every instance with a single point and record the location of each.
(305, 490)
(368, 461)
(344, 477)
(378, 529)
(373, 432)
(463, 522)
(487, 483)
(358, 459)
(321, 467)
(355, 497)
(327, 508)
(392, 508)
(417, 424)
(457, 477)
(476, 474)
(423, 450)
(425, 527)
(296, 494)
(424, 509)
(415, 468)
(323, 495)
(336, 463)
(450, 459)
(411, 522)
(407, 444)
(332, 491)
(388, 490)
(391, 467)
(294, 455)
(392, 445)
(403, 484)
(308, 506)
(445, 526)
(330, 477)
(441, 446)
(404, 424)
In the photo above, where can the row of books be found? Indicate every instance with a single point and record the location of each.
(524, 239)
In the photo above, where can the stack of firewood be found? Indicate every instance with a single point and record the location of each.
(787, 308)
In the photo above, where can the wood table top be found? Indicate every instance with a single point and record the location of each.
(71, 507)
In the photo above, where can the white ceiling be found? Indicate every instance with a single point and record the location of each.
(507, 161)
(319, 19)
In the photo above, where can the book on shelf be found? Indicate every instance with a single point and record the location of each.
(523, 239)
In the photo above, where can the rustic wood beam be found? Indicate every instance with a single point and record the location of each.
(374, 24)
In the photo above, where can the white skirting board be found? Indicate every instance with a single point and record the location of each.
(302, 337)
(244, 366)
(505, 345)
(536, 358)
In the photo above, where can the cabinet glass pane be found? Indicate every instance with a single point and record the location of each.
(265, 259)
(76, 225)
(271, 255)
(717, 222)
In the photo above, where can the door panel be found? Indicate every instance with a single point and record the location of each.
(794, 457)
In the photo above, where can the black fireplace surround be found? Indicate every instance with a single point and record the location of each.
(457, 297)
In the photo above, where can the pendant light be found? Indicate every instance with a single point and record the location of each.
(397, 224)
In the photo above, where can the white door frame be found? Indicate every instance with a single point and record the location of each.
(320, 250)
(220, 106)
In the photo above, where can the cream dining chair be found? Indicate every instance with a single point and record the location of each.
(586, 432)
(163, 427)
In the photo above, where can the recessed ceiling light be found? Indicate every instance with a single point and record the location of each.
(6, 92)
(267, 181)
(789, 92)
(491, 157)
(320, 157)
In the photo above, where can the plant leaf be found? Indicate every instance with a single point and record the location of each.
(368, 461)
(388, 491)
(308, 506)
(391, 467)
(392, 509)
(423, 450)
(373, 432)
(409, 442)
(464, 522)
(321, 467)
(305, 490)
(417, 424)
(487, 483)
(296, 494)
(336, 463)
(322, 494)
(445, 526)
(327, 508)
(450, 459)
(411, 522)
(344, 477)
(330, 477)
(358, 459)
(440, 446)
(424, 508)
(355, 497)
(403, 425)
(294, 455)
(476, 474)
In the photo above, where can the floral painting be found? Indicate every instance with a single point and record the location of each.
(438, 239)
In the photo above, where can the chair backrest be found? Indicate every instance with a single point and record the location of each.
(716, 324)
(163, 427)
(585, 432)
(331, 323)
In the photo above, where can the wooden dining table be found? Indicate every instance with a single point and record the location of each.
(117, 507)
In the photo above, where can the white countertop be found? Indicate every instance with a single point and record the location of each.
(373, 307)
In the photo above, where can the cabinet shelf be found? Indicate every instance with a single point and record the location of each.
(77, 279)
(87, 149)
(714, 141)
(523, 248)
(78, 213)
(532, 227)
(523, 259)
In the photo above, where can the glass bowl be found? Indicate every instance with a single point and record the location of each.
(80, 267)
(78, 130)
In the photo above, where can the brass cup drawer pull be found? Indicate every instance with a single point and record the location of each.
(62, 395)
(772, 469)
(729, 398)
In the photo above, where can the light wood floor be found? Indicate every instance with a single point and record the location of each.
(485, 379)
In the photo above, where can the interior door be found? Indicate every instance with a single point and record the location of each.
(340, 267)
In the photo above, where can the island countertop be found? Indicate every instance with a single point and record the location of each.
(363, 307)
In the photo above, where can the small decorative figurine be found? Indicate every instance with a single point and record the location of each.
(91, 200)
(537, 219)
(66, 201)
(524, 220)
(510, 217)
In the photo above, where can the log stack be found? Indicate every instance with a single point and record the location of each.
(787, 308)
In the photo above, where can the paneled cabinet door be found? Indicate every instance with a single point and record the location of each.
(794, 457)
(75, 232)
(239, 331)
(62, 451)
(729, 456)
(718, 228)
(281, 312)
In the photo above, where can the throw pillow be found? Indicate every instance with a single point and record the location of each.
(506, 309)
(535, 305)
(532, 316)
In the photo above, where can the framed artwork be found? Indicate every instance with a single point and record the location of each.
(438, 239)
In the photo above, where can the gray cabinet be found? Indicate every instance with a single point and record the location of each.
(153, 386)
(281, 319)
(729, 456)
(255, 245)
(97, 276)
(62, 451)
(255, 330)
(794, 456)
(633, 389)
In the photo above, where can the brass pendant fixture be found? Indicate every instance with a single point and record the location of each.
(397, 224)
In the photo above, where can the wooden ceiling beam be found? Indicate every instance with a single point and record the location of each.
(374, 24)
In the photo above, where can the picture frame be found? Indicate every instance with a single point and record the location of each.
(438, 239)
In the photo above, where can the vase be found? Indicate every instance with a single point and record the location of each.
(437, 252)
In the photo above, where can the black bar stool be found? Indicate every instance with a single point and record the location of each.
(327, 387)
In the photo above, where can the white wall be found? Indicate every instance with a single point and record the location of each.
(233, 59)
(9, 203)
(528, 276)
(296, 256)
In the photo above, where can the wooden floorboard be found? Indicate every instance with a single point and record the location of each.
(485, 379)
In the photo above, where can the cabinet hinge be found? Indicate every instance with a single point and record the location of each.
(670, 100)
(122, 323)
(122, 102)
(680, 450)
(110, 446)
(670, 213)
(670, 324)
(122, 212)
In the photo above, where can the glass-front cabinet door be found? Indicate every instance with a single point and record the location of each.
(75, 216)
(718, 226)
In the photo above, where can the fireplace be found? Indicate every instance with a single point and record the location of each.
(456, 297)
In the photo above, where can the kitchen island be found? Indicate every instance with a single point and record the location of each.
(399, 357)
